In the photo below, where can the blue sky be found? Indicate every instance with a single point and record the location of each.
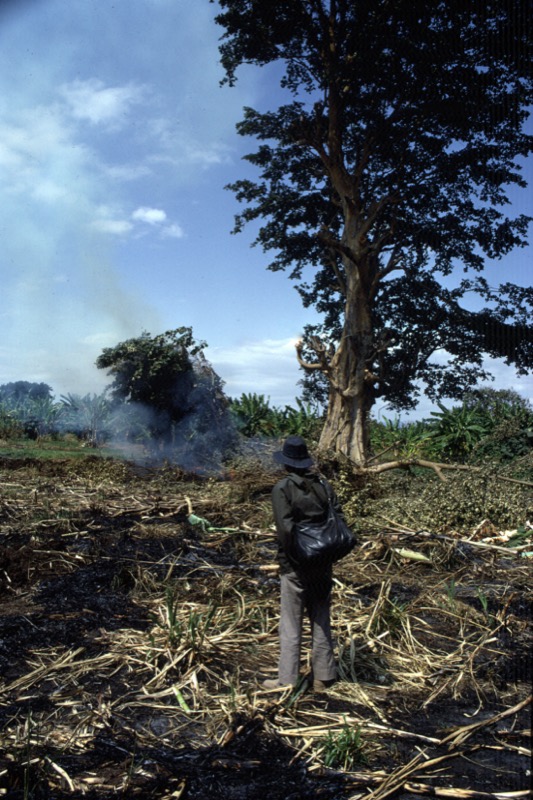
(116, 141)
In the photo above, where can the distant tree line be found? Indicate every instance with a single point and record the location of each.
(165, 395)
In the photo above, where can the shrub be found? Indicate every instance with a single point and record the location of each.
(404, 440)
(464, 501)
(455, 431)
(253, 415)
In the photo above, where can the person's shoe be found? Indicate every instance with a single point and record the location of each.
(273, 683)
(322, 686)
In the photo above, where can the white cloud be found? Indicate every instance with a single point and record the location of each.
(110, 220)
(117, 227)
(268, 367)
(91, 100)
(182, 142)
(38, 155)
(173, 231)
(157, 217)
(152, 216)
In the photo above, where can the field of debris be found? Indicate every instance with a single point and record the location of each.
(138, 616)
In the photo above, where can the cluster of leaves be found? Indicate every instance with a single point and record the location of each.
(360, 494)
(510, 417)
(27, 409)
(466, 500)
(254, 416)
(418, 499)
(490, 425)
(391, 437)
(344, 750)
(88, 417)
(155, 372)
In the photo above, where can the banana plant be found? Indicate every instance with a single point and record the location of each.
(86, 415)
(455, 431)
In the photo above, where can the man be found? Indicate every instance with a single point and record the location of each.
(301, 497)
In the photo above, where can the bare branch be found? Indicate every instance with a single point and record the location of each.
(323, 352)
(306, 364)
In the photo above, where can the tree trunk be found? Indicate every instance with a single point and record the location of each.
(345, 429)
(351, 396)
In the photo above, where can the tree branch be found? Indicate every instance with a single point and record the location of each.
(324, 355)
(434, 465)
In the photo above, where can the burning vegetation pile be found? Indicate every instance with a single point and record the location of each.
(138, 615)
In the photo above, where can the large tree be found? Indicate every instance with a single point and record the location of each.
(155, 372)
(383, 184)
(170, 382)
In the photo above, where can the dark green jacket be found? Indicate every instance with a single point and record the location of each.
(297, 498)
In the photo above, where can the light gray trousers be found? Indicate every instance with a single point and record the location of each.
(312, 594)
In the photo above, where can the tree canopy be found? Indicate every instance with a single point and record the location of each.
(18, 392)
(383, 187)
(168, 379)
(155, 372)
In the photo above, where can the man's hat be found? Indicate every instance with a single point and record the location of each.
(294, 453)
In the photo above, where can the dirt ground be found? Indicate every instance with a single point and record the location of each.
(133, 643)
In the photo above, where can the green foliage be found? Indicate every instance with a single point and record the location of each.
(508, 440)
(304, 420)
(418, 499)
(171, 391)
(152, 370)
(10, 426)
(455, 431)
(510, 421)
(254, 416)
(17, 392)
(405, 440)
(498, 402)
(48, 448)
(344, 750)
(357, 493)
(27, 409)
(386, 170)
(464, 501)
(86, 416)
(490, 425)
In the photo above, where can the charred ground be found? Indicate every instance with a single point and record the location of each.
(132, 645)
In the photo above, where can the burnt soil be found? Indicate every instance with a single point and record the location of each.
(112, 684)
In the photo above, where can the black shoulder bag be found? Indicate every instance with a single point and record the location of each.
(319, 544)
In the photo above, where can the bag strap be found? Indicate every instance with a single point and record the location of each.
(325, 486)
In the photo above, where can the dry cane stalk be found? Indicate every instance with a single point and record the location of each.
(463, 794)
